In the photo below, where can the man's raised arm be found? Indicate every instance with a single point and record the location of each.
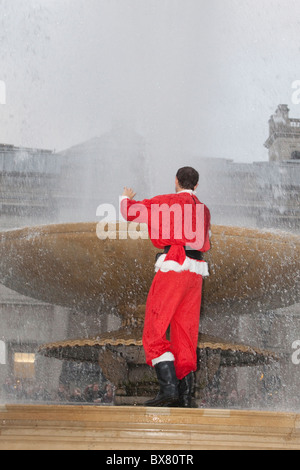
(134, 211)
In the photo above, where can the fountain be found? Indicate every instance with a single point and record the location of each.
(68, 70)
(68, 265)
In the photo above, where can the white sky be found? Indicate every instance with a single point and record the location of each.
(194, 76)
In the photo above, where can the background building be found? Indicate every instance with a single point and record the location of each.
(284, 139)
(27, 186)
(263, 194)
(28, 196)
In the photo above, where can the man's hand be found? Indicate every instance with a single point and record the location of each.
(128, 192)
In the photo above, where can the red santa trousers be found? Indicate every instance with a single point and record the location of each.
(174, 300)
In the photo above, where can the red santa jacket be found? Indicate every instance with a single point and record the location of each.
(178, 220)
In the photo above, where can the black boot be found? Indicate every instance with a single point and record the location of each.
(168, 394)
(186, 387)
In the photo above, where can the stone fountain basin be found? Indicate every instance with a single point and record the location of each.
(68, 265)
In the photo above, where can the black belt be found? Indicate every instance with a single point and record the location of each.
(193, 254)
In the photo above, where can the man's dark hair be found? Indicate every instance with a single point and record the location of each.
(188, 177)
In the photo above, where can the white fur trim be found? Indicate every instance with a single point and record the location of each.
(167, 357)
(192, 265)
(189, 191)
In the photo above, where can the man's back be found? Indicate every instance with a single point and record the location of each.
(175, 219)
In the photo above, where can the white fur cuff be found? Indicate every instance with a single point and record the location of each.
(192, 265)
(167, 357)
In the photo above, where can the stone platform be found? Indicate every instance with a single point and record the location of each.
(137, 428)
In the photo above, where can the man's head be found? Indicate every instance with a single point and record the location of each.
(187, 178)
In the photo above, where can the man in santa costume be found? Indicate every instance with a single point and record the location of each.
(179, 224)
